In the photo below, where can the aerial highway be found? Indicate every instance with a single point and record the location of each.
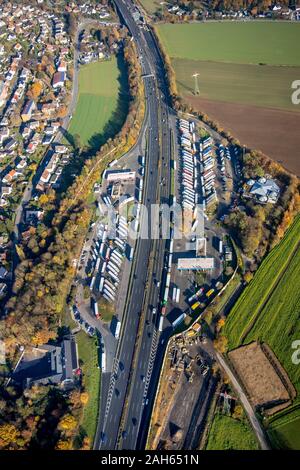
(119, 428)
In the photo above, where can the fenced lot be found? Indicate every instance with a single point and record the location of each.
(261, 377)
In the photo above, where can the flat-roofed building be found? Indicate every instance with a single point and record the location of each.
(125, 175)
(195, 264)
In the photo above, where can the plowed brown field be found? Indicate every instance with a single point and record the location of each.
(275, 132)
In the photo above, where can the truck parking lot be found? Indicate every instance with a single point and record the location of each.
(203, 175)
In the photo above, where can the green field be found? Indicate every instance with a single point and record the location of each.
(264, 86)
(284, 431)
(88, 356)
(269, 310)
(102, 102)
(150, 5)
(227, 433)
(228, 57)
(255, 42)
(269, 307)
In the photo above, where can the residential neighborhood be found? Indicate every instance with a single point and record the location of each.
(220, 10)
(36, 80)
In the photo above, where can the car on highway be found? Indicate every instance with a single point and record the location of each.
(143, 378)
(145, 402)
(154, 310)
(134, 421)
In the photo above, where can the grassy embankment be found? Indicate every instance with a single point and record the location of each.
(227, 433)
(88, 356)
(269, 310)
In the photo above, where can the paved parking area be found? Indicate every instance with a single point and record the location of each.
(99, 252)
(186, 246)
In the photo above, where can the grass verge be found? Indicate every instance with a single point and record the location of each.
(88, 359)
(227, 433)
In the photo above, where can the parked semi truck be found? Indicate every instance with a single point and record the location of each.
(103, 358)
(117, 329)
(96, 311)
(195, 305)
(210, 293)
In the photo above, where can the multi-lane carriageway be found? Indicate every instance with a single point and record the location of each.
(118, 426)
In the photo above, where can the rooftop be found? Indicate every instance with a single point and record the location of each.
(265, 189)
(195, 264)
(48, 364)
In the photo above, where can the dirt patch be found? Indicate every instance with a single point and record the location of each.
(275, 132)
(263, 377)
(183, 397)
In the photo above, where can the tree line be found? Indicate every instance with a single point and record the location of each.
(254, 6)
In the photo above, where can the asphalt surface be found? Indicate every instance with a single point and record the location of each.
(151, 352)
(123, 381)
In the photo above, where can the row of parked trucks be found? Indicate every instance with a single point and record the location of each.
(168, 267)
(194, 166)
(188, 150)
(176, 294)
(223, 152)
(107, 257)
(207, 164)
